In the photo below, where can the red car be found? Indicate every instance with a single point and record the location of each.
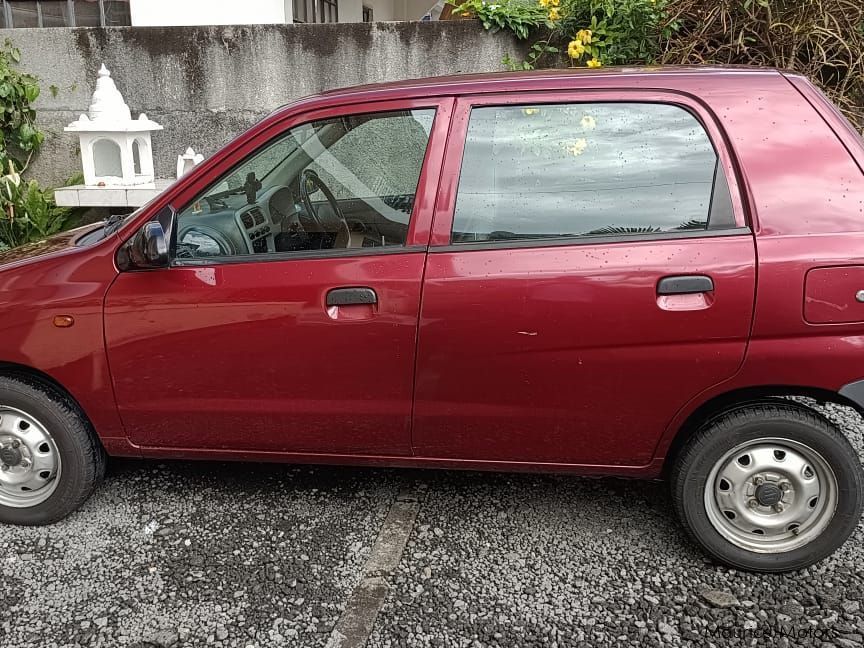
(623, 272)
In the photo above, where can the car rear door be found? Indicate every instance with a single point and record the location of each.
(279, 346)
(590, 272)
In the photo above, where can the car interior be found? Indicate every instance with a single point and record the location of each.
(341, 183)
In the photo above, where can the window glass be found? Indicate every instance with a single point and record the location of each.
(87, 13)
(303, 10)
(326, 11)
(117, 13)
(603, 169)
(341, 183)
(65, 13)
(321, 11)
(55, 13)
(24, 14)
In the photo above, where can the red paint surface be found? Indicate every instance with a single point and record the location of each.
(246, 356)
(563, 354)
(539, 358)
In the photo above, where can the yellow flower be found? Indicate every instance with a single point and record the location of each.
(594, 63)
(584, 35)
(554, 14)
(577, 147)
(530, 111)
(588, 122)
(575, 49)
(544, 3)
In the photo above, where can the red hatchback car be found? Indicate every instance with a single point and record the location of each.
(623, 272)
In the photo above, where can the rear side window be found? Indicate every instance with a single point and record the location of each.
(574, 170)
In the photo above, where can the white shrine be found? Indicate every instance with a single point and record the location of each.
(188, 161)
(115, 149)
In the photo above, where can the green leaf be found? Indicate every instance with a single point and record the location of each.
(31, 92)
(35, 216)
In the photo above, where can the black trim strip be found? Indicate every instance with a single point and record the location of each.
(351, 296)
(457, 247)
(854, 391)
(588, 240)
(303, 255)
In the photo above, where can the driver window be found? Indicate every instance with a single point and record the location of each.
(341, 183)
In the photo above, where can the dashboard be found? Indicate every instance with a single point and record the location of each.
(230, 227)
(257, 228)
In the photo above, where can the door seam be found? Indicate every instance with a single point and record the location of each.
(414, 375)
(125, 430)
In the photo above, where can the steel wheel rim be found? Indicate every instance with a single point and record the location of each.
(30, 462)
(771, 495)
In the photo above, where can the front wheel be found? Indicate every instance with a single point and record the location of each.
(769, 487)
(50, 459)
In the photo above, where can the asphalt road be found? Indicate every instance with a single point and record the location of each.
(194, 554)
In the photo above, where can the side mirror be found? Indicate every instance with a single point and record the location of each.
(147, 249)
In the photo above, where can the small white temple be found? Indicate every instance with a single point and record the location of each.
(188, 161)
(115, 149)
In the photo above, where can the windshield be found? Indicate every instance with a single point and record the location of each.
(262, 165)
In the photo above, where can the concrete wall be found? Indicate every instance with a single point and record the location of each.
(207, 84)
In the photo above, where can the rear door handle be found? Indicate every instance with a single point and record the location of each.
(351, 296)
(684, 285)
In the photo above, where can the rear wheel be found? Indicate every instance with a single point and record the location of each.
(769, 486)
(50, 459)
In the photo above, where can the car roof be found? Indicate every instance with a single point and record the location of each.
(490, 81)
(669, 77)
(678, 78)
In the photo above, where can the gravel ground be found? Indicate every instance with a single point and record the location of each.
(193, 554)
(514, 560)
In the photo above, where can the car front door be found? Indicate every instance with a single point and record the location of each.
(287, 321)
(590, 272)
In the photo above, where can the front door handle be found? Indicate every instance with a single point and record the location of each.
(351, 296)
(685, 285)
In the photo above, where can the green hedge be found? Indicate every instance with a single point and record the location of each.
(823, 39)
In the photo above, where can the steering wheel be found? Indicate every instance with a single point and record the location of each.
(311, 182)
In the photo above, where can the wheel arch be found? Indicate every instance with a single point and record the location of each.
(14, 369)
(721, 403)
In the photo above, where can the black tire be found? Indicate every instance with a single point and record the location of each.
(777, 419)
(82, 458)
